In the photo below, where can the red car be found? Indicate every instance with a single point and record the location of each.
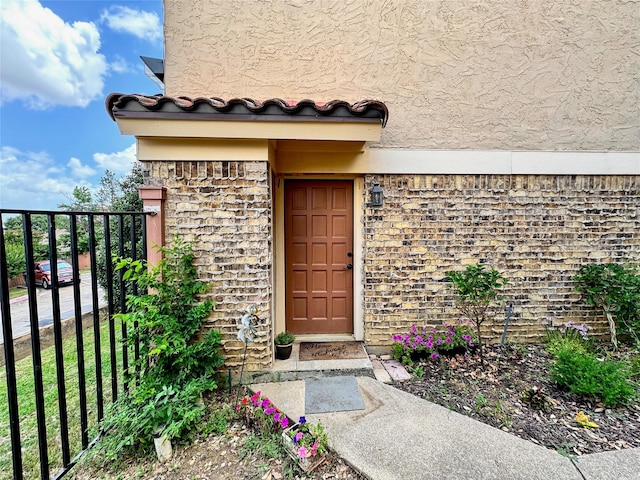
(43, 273)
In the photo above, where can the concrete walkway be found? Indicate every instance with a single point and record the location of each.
(399, 436)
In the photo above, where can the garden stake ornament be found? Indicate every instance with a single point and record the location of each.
(247, 331)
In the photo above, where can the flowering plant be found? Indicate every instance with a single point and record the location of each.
(566, 334)
(308, 440)
(260, 411)
(425, 343)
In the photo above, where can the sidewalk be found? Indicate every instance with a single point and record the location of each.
(399, 436)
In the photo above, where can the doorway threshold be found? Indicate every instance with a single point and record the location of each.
(295, 369)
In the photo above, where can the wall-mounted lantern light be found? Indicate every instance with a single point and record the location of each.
(376, 195)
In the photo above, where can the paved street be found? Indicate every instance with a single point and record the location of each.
(20, 308)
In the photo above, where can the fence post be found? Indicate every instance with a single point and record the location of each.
(153, 200)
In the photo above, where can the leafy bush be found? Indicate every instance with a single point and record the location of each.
(476, 292)
(175, 365)
(15, 259)
(585, 374)
(425, 343)
(616, 289)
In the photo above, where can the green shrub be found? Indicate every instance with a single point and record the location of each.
(15, 259)
(586, 375)
(177, 364)
(616, 289)
(477, 294)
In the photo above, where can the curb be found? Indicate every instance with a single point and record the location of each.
(18, 299)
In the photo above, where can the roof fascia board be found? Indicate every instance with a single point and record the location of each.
(352, 131)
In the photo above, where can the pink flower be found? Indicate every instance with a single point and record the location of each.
(269, 410)
(265, 402)
(302, 452)
(314, 449)
(276, 417)
(255, 396)
(284, 422)
(298, 436)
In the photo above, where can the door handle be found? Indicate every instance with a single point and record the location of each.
(349, 266)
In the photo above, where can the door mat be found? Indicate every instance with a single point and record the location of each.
(331, 351)
(332, 394)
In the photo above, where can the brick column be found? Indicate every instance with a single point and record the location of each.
(153, 200)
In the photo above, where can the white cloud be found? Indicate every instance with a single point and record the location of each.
(120, 65)
(80, 170)
(46, 61)
(144, 25)
(119, 163)
(28, 180)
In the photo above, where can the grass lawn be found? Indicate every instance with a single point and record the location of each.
(17, 292)
(27, 409)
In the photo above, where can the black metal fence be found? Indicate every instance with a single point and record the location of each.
(75, 405)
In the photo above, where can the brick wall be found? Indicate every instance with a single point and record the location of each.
(536, 230)
(224, 208)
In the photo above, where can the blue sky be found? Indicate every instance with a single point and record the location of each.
(59, 61)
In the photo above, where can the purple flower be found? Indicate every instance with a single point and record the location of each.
(429, 344)
(466, 337)
(297, 437)
(284, 423)
(265, 402)
(434, 355)
(302, 420)
(269, 410)
(448, 340)
(276, 417)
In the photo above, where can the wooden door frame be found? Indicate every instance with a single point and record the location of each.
(279, 255)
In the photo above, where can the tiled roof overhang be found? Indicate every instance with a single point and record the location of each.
(161, 107)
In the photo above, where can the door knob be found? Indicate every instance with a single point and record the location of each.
(349, 266)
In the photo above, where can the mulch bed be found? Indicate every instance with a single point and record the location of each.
(493, 394)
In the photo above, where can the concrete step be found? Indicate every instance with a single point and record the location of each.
(294, 369)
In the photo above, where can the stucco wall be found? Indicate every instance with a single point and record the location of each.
(536, 230)
(502, 74)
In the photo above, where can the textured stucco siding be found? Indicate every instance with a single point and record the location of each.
(536, 230)
(224, 209)
(515, 75)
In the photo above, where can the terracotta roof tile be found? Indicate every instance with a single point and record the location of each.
(160, 106)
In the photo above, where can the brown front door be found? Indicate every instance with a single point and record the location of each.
(319, 246)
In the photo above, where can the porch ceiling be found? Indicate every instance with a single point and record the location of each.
(276, 119)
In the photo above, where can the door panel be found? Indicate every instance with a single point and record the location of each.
(319, 237)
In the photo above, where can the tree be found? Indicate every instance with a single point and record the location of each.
(476, 290)
(81, 200)
(108, 192)
(14, 242)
